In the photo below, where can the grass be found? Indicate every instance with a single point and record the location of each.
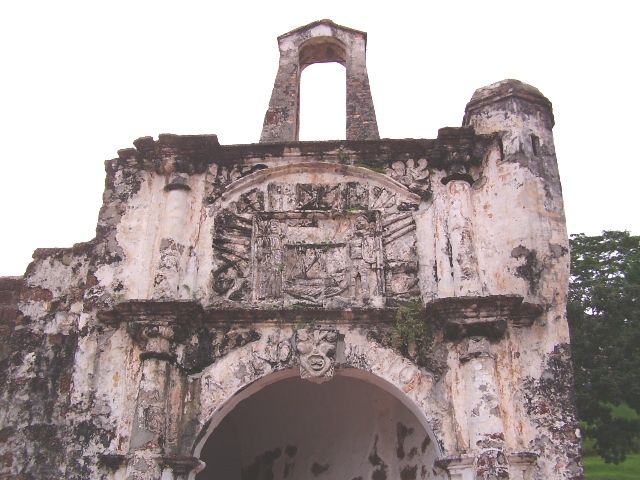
(596, 469)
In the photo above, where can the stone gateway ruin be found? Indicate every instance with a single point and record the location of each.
(363, 309)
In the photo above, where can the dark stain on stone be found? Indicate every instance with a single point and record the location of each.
(530, 271)
(402, 432)
(318, 469)
(425, 443)
(379, 475)
(291, 450)
(207, 345)
(409, 472)
(262, 466)
(380, 472)
(287, 469)
(491, 440)
(374, 458)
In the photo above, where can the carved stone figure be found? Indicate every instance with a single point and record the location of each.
(270, 261)
(366, 261)
(316, 349)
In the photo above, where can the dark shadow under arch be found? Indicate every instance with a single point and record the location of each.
(345, 428)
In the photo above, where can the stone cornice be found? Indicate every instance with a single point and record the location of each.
(461, 316)
(193, 153)
(486, 316)
(174, 311)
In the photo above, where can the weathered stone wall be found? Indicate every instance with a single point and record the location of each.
(434, 271)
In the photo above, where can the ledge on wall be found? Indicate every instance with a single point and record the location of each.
(461, 316)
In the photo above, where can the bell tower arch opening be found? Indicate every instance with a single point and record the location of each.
(322, 102)
(349, 427)
(322, 89)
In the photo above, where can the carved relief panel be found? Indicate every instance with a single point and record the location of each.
(316, 244)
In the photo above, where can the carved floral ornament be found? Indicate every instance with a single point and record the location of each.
(410, 172)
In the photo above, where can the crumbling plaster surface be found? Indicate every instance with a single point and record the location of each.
(434, 270)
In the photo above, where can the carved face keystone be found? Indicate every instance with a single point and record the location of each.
(317, 350)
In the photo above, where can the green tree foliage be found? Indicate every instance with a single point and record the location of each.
(604, 317)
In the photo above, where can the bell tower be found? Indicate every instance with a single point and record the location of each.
(320, 42)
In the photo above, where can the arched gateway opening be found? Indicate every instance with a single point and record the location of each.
(351, 427)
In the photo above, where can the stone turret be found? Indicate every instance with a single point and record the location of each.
(523, 117)
(514, 106)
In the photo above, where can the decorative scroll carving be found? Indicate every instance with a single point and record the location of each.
(227, 175)
(330, 245)
(278, 349)
(316, 349)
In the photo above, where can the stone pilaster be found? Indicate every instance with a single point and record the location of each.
(477, 325)
(155, 449)
(152, 427)
(460, 271)
(466, 280)
(484, 422)
(173, 248)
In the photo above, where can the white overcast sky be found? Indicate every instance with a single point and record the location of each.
(80, 80)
